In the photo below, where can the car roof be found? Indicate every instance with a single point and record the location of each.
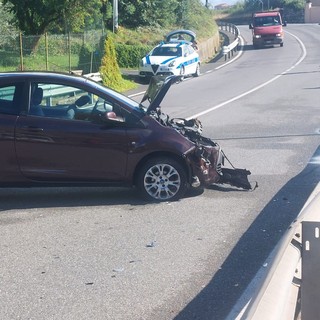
(155, 93)
(267, 14)
(50, 76)
(42, 74)
(173, 44)
(56, 77)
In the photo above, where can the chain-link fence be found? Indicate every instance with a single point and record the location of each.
(64, 53)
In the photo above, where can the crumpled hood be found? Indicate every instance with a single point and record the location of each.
(158, 88)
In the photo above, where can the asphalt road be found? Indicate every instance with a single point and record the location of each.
(101, 253)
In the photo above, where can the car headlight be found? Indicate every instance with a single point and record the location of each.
(257, 36)
(172, 63)
(278, 35)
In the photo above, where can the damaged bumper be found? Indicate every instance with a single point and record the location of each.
(207, 169)
(236, 177)
(205, 159)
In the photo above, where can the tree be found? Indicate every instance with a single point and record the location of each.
(5, 26)
(163, 13)
(286, 4)
(134, 13)
(139, 13)
(191, 14)
(35, 17)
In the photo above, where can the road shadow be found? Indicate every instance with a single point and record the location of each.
(56, 197)
(216, 300)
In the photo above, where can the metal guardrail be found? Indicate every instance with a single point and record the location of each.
(289, 290)
(230, 49)
(95, 76)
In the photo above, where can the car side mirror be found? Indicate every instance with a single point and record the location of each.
(284, 23)
(250, 26)
(111, 116)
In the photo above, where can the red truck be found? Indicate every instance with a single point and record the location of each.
(267, 28)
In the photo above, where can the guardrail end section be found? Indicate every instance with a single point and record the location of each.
(310, 289)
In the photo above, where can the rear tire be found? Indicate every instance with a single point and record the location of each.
(162, 179)
(197, 73)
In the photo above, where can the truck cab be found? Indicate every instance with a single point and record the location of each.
(267, 29)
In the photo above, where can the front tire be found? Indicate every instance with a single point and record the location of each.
(162, 179)
(182, 72)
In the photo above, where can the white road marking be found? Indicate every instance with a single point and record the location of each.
(304, 54)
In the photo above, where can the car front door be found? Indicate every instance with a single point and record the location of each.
(52, 146)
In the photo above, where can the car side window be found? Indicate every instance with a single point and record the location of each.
(10, 96)
(189, 50)
(67, 102)
(57, 101)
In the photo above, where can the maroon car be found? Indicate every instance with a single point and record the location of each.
(58, 130)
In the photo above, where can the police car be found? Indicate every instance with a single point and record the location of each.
(175, 56)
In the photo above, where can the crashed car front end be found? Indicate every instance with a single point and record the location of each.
(205, 159)
(206, 165)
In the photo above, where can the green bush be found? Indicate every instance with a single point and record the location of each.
(84, 59)
(110, 71)
(129, 56)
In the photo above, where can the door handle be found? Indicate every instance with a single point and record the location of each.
(33, 129)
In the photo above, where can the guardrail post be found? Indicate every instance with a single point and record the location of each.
(310, 288)
(21, 52)
(47, 50)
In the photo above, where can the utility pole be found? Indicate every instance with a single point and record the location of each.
(115, 16)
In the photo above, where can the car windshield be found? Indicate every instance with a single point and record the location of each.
(266, 21)
(167, 51)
